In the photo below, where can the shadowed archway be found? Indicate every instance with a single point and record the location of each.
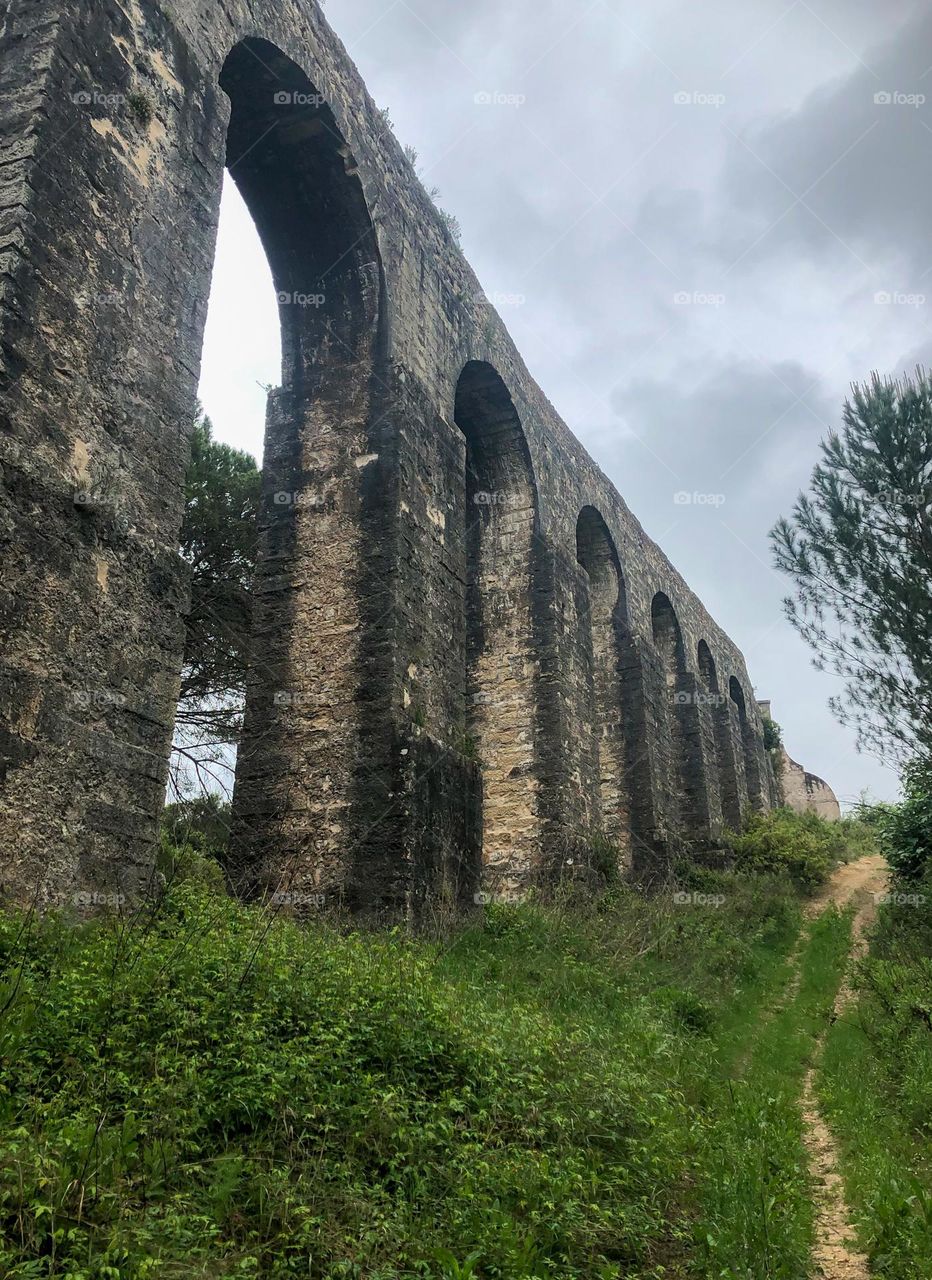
(679, 714)
(752, 751)
(724, 751)
(501, 659)
(603, 621)
(320, 587)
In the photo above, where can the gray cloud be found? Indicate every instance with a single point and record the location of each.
(847, 175)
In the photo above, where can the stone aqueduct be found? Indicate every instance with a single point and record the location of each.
(469, 655)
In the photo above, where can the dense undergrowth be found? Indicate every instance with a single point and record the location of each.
(877, 1085)
(209, 1090)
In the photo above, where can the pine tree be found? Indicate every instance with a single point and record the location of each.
(859, 549)
(218, 540)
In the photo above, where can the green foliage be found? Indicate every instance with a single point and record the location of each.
(753, 1187)
(452, 224)
(773, 744)
(859, 551)
(198, 825)
(141, 107)
(218, 540)
(905, 829)
(802, 846)
(210, 1090)
(877, 1086)
(773, 735)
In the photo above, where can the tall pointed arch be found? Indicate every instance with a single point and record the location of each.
(501, 661)
(603, 621)
(724, 751)
(320, 598)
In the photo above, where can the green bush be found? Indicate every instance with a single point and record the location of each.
(802, 846)
(212, 1091)
(906, 828)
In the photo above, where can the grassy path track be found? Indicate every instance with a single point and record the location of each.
(857, 885)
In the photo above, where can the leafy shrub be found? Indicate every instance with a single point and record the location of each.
(802, 846)
(906, 828)
(214, 1091)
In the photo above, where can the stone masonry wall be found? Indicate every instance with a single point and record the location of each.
(424, 713)
(807, 793)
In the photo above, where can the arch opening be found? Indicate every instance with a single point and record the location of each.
(318, 597)
(500, 695)
(299, 180)
(668, 638)
(603, 619)
(749, 745)
(724, 756)
(683, 749)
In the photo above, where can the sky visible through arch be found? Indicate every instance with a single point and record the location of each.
(700, 224)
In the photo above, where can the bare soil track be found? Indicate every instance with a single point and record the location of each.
(834, 1256)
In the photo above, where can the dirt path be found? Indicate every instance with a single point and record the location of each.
(834, 1258)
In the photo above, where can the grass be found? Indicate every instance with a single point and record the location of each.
(754, 1191)
(212, 1092)
(876, 1086)
(592, 1087)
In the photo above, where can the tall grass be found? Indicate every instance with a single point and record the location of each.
(754, 1188)
(214, 1092)
(876, 1084)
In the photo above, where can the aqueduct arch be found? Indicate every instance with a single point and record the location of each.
(722, 745)
(501, 662)
(754, 756)
(386, 592)
(296, 783)
(603, 617)
(678, 706)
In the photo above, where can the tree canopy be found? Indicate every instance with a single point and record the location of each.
(218, 540)
(858, 547)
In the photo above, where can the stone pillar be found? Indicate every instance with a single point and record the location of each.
(355, 782)
(99, 337)
(642, 743)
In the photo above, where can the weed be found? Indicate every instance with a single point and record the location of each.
(141, 107)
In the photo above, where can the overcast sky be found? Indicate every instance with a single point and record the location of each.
(702, 222)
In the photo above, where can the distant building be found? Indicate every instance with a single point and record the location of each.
(800, 790)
